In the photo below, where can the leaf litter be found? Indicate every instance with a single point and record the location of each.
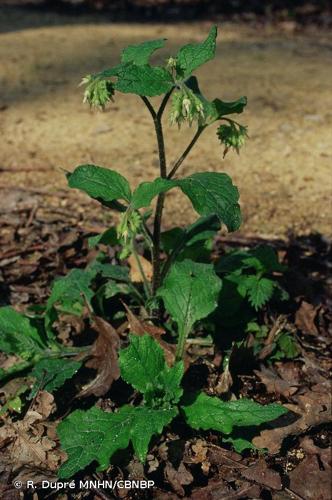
(48, 244)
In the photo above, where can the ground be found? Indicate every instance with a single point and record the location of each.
(283, 173)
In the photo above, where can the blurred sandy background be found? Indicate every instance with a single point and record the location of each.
(283, 173)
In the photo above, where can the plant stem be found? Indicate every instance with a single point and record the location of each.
(157, 117)
(180, 348)
(186, 152)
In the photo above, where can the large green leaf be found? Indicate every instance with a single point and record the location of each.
(143, 366)
(211, 193)
(100, 183)
(95, 435)
(193, 55)
(214, 193)
(17, 334)
(143, 80)
(190, 292)
(140, 54)
(50, 374)
(207, 412)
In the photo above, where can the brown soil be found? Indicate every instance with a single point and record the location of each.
(283, 173)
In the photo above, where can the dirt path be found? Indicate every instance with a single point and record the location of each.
(283, 173)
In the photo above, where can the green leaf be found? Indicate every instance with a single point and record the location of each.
(106, 270)
(222, 108)
(191, 56)
(143, 80)
(95, 435)
(207, 412)
(108, 237)
(18, 335)
(100, 183)
(50, 374)
(143, 366)
(140, 54)
(71, 291)
(190, 292)
(213, 193)
(240, 444)
(258, 290)
(264, 259)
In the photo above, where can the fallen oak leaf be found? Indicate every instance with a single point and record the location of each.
(275, 384)
(104, 359)
(305, 318)
(315, 409)
(263, 475)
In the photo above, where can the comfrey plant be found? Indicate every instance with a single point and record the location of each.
(185, 285)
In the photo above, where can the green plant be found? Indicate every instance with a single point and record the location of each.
(185, 288)
(92, 435)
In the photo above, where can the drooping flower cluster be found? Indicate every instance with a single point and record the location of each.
(98, 91)
(186, 106)
(232, 136)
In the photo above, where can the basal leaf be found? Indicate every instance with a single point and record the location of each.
(100, 183)
(140, 54)
(143, 366)
(190, 292)
(51, 374)
(17, 334)
(240, 444)
(207, 412)
(258, 290)
(213, 193)
(193, 55)
(143, 80)
(95, 435)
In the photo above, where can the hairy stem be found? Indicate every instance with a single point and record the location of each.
(180, 348)
(157, 117)
(184, 155)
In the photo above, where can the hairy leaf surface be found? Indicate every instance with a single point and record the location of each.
(50, 374)
(17, 334)
(208, 412)
(143, 366)
(100, 183)
(193, 55)
(190, 292)
(140, 54)
(92, 435)
(143, 80)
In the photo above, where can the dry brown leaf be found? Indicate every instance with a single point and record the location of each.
(224, 382)
(305, 318)
(104, 359)
(317, 466)
(44, 404)
(135, 274)
(25, 443)
(199, 456)
(275, 384)
(262, 474)
(314, 408)
(178, 478)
